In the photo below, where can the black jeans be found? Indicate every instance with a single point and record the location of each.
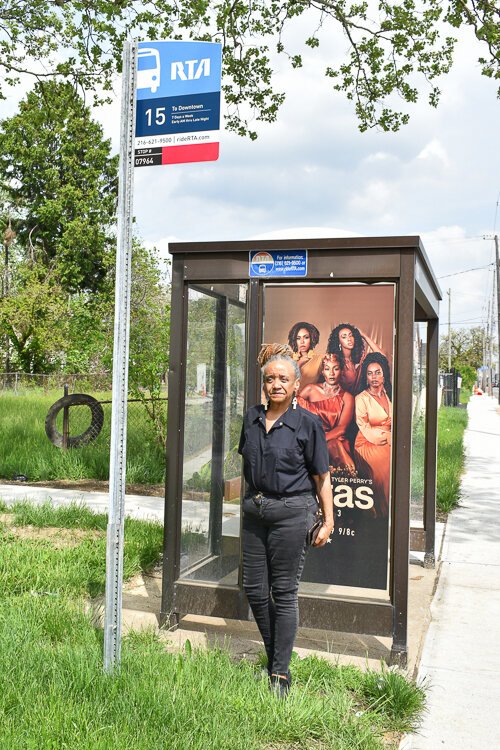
(274, 549)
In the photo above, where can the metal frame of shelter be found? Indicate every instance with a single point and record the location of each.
(398, 260)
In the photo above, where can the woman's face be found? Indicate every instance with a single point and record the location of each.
(331, 372)
(374, 375)
(280, 383)
(346, 338)
(303, 341)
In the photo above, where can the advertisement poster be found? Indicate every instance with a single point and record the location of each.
(342, 336)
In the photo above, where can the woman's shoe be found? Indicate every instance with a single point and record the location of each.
(280, 684)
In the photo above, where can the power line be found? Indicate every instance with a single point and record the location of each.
(477, 321)
(467, 270)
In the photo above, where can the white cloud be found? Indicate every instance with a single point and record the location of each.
(374, 201)
(377, 157)
(304, 233)
(434, 151)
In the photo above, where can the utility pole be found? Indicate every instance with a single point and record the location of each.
(487, 352)
(449, 330)
(490, 357)
(498, 307)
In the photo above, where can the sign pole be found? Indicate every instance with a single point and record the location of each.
(118, 451)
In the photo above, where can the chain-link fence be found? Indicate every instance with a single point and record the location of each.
(58, 428)
(17, 382)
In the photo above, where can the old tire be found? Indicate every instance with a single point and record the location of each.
(75, 399)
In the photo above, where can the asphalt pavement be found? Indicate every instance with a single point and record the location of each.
(460, 661)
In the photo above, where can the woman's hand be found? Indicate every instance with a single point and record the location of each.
(325, 497)
(323, 535)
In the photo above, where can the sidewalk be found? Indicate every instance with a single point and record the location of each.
(147, 507)
(460, 661)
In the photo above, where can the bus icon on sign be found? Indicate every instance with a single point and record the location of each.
(148, 69)
(262, 263)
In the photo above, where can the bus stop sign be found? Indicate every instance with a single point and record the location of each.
(178, 102)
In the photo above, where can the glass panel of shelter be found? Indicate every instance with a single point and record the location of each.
(418, 424)
(215, 372)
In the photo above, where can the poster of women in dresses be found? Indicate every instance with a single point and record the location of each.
(342, 337)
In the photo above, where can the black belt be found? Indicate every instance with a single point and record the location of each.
(258, 496)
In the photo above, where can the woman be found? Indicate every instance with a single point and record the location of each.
(352, 346)
(285, 461)
(335, 408)
(374, 419)
(303, 339)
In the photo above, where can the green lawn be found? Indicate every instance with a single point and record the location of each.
(452, 422)
(27, 450)
(55, 694)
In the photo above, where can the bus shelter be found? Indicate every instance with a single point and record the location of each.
(227, 299)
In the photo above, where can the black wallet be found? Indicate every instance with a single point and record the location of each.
(314, 531)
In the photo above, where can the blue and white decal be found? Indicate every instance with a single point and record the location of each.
(278, 263)
(167, 68)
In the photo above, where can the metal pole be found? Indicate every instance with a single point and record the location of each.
(118, 453)
(219, 419)
(65, 421)
(498, 308)
(449, 330)
(492, 327)
(488, 350)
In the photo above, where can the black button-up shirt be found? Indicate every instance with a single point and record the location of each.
(281, 461)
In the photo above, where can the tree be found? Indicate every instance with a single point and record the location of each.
(149, 335)
(34, 318)
(389, 45)
(466, 348)
(60, 181)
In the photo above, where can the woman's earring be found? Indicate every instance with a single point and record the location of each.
(294, 402)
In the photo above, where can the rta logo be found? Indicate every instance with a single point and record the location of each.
(190, 70)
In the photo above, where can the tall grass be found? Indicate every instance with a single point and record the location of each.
(27, 450)
(452, 422)
(56, 695)
(78, 567)
(417, 469)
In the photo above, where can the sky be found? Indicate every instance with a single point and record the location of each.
(312, 173)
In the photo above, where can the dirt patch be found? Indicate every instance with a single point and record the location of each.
(392, 740)
(93, 485)
(59, 538)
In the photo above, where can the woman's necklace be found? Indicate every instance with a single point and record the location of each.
(331, 390)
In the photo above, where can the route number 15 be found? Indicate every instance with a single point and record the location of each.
(157, 116)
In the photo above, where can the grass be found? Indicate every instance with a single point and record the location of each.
(452, 422)
(78, 567)
(56, 695)
(465, 394)
(417, 469)
(27, 450)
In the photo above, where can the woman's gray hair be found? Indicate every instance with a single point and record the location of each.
(282, 358)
